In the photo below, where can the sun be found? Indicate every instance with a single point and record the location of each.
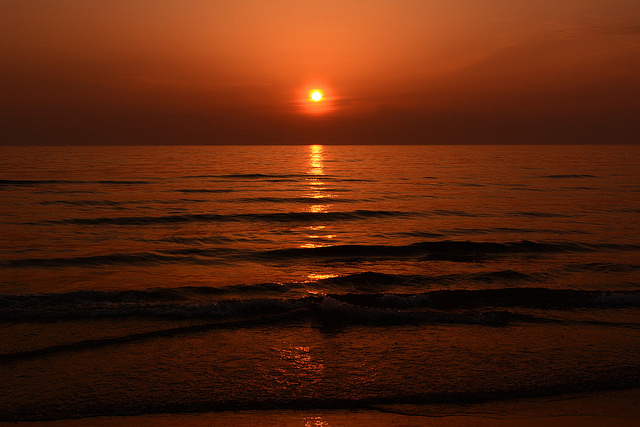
(316, 98)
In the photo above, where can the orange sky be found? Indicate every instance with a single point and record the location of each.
(403, 71)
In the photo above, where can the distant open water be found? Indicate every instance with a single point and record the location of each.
(176, 279)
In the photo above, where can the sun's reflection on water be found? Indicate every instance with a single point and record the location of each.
(323, 236)
(318, 192)
(317, 276)
(317, 188)
(317, 235)
(302, 363)
(315, 422)
(316, 160)
(319, 208)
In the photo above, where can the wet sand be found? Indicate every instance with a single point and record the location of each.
(610, 408)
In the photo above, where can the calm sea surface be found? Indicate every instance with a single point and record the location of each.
(138, 280)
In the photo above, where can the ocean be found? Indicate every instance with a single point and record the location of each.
(399, 279)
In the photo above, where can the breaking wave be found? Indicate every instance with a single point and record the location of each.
(437, 306)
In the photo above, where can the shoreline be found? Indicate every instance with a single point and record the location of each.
(612, 408)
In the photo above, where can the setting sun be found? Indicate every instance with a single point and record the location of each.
(316, 98)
